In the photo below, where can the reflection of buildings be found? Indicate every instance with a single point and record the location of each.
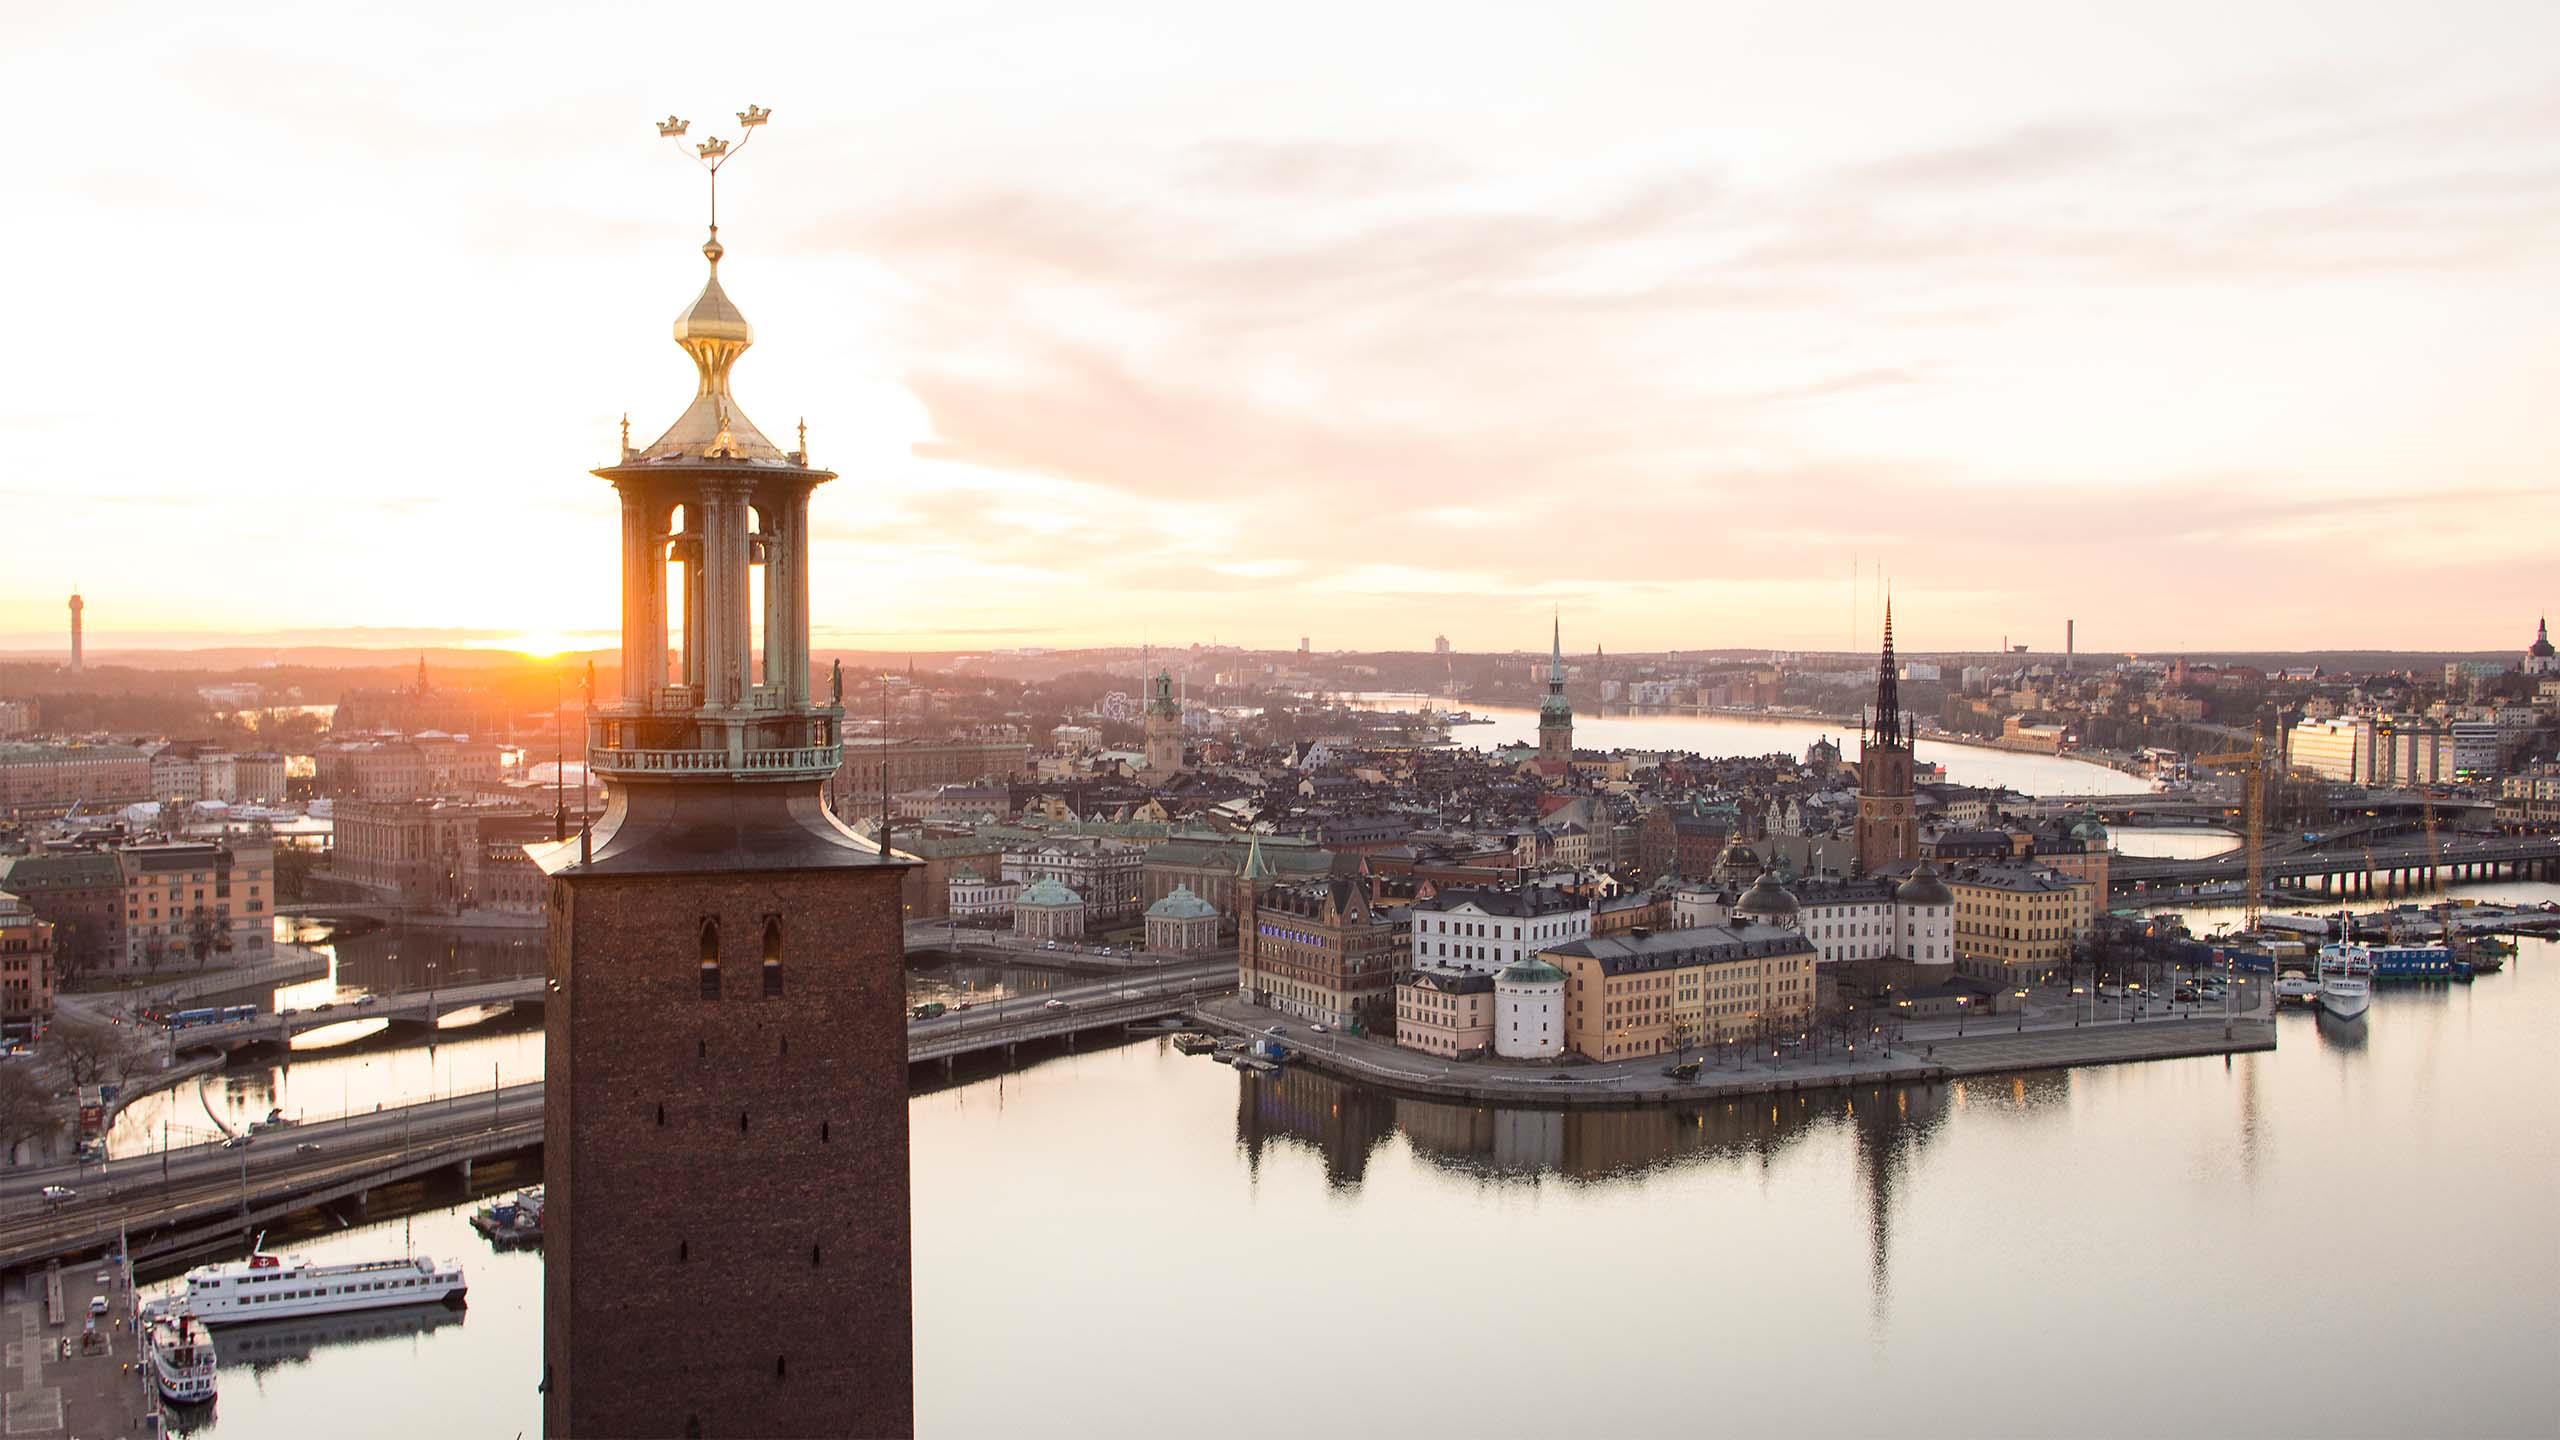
(1342, 1123)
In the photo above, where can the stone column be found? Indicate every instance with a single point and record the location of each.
(795, 541)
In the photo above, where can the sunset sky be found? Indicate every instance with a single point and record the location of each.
(2212, 325)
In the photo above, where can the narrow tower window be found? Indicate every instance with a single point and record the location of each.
(773, 957)
(710, 958)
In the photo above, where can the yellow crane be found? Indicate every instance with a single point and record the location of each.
(2252, 765)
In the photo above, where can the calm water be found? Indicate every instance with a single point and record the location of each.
(1744, 735)
(2172, 842)
(2349, 1236)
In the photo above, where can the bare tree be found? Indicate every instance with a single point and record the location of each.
(85, 1050)
(26, 1107)
(77, 946)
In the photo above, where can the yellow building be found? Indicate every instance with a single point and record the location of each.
(1649, 992)
(1445, 1012)
(2015, 922)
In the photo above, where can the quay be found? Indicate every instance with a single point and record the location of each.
(69, 1373)
(1922, 1056)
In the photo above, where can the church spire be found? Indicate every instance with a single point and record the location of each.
(1555, 659)
(1888, 721)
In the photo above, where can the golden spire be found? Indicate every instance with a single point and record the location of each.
(712, 330)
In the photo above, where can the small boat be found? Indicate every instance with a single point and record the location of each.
(182, 1362)
(1255, 1065)
(1194, 1043)
(2344, 993)
(515, 1220)
(2294, 985)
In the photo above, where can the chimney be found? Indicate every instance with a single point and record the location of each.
(2069, 643)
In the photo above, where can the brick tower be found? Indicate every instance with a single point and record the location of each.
(1887, 835)
(725, 1128)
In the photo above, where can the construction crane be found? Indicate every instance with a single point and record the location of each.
(2252, 764)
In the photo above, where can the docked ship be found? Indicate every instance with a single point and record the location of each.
(2344, 993)
(2294, 985)
(181, 1356)
(278, 1287)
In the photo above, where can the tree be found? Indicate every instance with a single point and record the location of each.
(203, 933)
(85, 1050)
(77, 946)
(26, 1108)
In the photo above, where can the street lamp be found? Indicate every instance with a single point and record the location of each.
(1960, 1008)
(2133, 990)
(2022, 1012)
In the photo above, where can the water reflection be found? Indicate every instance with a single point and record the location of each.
(281, 1342)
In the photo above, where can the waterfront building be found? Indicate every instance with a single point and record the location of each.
(1888, 834)
(1182, 924)
(26, 967)
(1555, 716)
(2014, 920)
(1486, 929)
(2331, 749)
(55, 778)
(1048, 910)
(726, 1244)
(1445, 1012)
(1321, 951)
(426, 852)
(975, 898)
(2080, 852)
(1105, 871)
(1905, 916)
(1528, 1010)
(1164, 730)
(197, 902)
(1653, 992)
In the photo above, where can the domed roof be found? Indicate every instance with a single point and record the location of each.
(1529, 970)
(1181, 904)
(1924, 888)
(1766, 899)
(2089, 828)
(1046, 893)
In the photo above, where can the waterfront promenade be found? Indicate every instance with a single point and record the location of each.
(2054, 1036)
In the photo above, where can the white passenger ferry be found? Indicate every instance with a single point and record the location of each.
(182, 1359)
(273, 1287)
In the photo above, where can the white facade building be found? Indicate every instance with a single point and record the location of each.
(1486, 930)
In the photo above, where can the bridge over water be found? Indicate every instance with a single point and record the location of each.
(196, 1198)
(2358, 868)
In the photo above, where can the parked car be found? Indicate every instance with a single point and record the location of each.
(97, 1304)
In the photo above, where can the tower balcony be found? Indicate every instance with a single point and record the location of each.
(769, 742)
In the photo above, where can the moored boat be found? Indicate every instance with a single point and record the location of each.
(276, 1287)
(2343, 992)
(181, 1358)
(2294, 985)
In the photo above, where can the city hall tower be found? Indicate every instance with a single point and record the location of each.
(725, 1127)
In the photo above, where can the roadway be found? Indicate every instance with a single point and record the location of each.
(300, 1165)
(2302, 862)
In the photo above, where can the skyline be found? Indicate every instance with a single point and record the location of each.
(1371, 338)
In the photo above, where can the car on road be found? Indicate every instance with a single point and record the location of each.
(1321, 1028)
(237, 1141)
(323, 1008)
(307, 1147)
(1275, 1030)
(369, 999)
(1053, 1004)
(97, 1304)
(58, 1194)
